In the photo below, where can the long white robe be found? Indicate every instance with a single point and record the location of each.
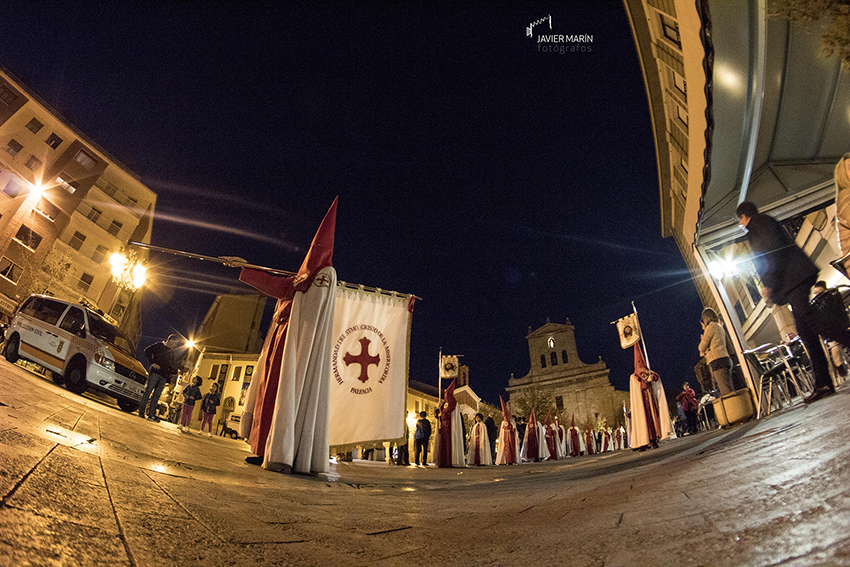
(478, 444)
(542, 451)
(299, 431)
(562, 442)
(501, 456)
(638, 431)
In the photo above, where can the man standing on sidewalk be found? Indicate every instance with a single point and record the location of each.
(421, 438)
(788, 276)
(164, 359)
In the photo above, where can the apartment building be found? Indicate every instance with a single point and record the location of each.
(66, 206)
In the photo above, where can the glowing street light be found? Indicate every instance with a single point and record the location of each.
(127, 273)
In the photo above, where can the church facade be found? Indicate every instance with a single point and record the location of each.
(575, 388)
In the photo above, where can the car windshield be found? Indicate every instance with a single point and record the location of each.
(106, 332)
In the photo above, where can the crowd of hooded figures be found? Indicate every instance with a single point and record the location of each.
(547, 440)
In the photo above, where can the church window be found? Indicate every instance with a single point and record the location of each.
(551, 342)
(559, 402)
(564, 358)
(542, 361)
(554, 358)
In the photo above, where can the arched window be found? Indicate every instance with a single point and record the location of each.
(542, 361)
(554, 357)
(551, 342)
(564, 356)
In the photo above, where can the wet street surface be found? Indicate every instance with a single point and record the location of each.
(83, 483)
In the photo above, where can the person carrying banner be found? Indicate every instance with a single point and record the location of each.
(650, 419)
(286, 410)
(449, 443)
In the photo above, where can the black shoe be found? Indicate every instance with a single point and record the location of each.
(819, 393)
(254, 460)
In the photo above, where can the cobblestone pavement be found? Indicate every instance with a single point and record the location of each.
(83, 483)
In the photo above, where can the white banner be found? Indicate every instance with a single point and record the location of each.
(629, 330)
(368, 367)
(448, 367)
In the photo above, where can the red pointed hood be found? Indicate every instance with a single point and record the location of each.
(321, 250)
(573, 422)
(506, 414)
(532, 418)
(548, 421)
(450, 392)
(640, 362)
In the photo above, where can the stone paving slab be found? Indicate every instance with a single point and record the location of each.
(82, 483)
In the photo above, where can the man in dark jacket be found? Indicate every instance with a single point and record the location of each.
(788, 276)
(164, 359)
(421, 438)
(492, 433)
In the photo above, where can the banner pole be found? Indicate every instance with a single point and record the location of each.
(642, 338)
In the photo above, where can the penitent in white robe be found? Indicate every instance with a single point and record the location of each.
(478, 444)
(503, 458)
(638, 430)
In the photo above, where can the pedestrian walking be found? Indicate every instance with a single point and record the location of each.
(209, 406)
(421, 438)
(164, 359)
(191, 394)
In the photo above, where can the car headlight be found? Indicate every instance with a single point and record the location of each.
(99, 358)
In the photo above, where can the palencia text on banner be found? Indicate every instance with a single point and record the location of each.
(629, 330)
(368, 367)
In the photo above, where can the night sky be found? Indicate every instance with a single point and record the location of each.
(499, 183)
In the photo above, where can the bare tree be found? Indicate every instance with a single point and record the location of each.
(536, 397)
(836, 16)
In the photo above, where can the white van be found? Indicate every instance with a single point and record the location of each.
(79, 346)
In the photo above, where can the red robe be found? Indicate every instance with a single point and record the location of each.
(551, 442)
(574, 442)
(444, 457)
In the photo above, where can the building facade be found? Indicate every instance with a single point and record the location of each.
(65, 207)
(557, 374)
(744, 108)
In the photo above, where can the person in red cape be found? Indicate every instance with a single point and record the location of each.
(531, 443)
(508, 452)
(576, 444)
(449, 449)
(650, 419)
(268, 398)
(589, 441)
(606, 439)
(551, 438)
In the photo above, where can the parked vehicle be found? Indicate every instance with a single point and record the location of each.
(79, 346)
